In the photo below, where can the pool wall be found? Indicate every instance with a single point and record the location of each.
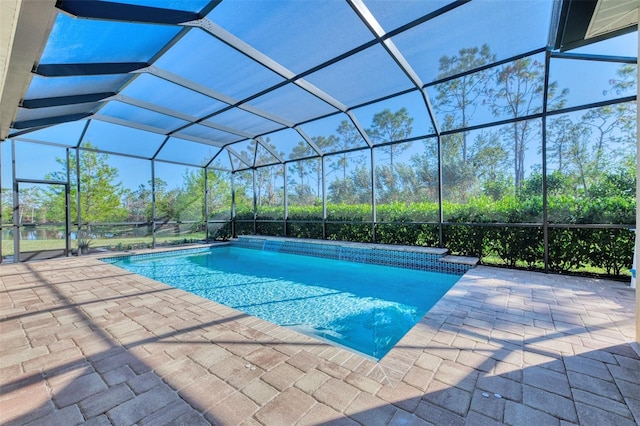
(421, 258)
(154, 254)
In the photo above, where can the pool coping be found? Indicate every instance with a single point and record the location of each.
(369, 246)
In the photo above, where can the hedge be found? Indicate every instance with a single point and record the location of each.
(506, 232)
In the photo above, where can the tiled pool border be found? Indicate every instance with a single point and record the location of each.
(166, 253)
(410, 257)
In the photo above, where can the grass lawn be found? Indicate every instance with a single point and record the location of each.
(583, 270)
(115, 243)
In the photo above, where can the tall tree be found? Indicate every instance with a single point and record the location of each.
(458, 176)
(568, 149)
(300, 191)
(390, 126)
(354, 189)
(603, 144)
(190, 197)
(308, 172)
(488, 157)
(7, 204)
(243, 190)
(425, 165)
(219, 194)
(31, 208)
(348, 137)
(519, 92)
(100, 192)
(269, 184)
(339, 187)
(165, 201)
(459, 98)
(323, 143)
(615, 125)
(138, 204)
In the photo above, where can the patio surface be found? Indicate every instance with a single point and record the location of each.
(84, 341)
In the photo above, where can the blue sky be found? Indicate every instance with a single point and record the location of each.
(296, 54)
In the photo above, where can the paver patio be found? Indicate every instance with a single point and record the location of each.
(84, 341)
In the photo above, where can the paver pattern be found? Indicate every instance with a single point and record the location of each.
(84, 341)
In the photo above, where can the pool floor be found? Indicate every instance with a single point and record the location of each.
(365, 307)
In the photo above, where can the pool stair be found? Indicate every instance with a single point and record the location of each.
(412, 257)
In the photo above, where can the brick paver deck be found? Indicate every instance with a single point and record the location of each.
(83, 341)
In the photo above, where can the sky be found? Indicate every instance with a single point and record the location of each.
(297, 55)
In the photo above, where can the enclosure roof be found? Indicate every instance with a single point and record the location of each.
(212, 83)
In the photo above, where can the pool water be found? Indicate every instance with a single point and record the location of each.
(365, 307)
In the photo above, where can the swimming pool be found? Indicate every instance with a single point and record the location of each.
(365, 307)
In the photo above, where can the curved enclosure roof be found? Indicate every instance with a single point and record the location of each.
(239, 84)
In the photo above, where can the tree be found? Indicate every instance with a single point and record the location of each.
(354, 189)
(322, 143)
(190, 198)
(615, 125)
(243, 191)
(7, 205)
(560, 131)
(425, 165)
(396, 185)
(165, 199)
(269, 184)
(348, 137)
(488, 157)
(467, 167)
(518, 93)
(138, 204)
(31, 207)
(458, 176)
(568, 148)
(100, 193)
(459, 98)
(299, 188)
(219, 194)
(592, 150)
(303, 190)
(390, 126)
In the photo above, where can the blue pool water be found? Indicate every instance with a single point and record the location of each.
(365, 307)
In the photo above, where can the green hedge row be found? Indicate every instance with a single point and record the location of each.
(469, 232)
(561, 209)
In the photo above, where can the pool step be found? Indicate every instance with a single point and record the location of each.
(463, 260)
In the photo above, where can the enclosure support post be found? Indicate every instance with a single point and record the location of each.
(636, 251)
(324, 198)
(545, 216)
(67, 210)
(374, 220)
(16, 206)
(77, 183)
(233, 205)
(153, 203)
(206, 204)
(285, 199)
(255, 203)
(440, 212)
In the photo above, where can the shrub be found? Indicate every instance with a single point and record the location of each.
(481, 227)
